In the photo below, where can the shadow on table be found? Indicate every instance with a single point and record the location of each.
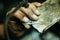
(52, 33)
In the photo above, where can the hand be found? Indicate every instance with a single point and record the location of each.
(22, 14)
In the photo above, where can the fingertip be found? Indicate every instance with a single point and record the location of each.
(26, 26)
(34, 17)
(25, 19)
(36, 4)
(37, 12)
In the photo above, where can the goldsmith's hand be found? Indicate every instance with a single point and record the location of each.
(31, 11)
(24, 15)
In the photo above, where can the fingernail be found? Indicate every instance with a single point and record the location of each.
(38, 4)
(34, 17)
(37, 12)
(25, 19)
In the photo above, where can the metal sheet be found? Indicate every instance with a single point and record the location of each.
(49, 15)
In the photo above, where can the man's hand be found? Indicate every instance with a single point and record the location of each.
(24, 15)
(31, 12)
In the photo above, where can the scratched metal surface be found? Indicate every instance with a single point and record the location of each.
(49, 15)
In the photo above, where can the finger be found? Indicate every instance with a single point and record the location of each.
(21, 16)
(26, 26)
(29, 13)
(36, 4)
(16, 28)
(34, 9)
